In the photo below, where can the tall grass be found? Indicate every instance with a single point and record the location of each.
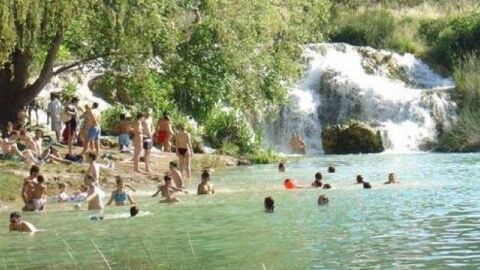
(465, 134)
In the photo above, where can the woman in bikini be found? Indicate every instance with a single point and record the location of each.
(120, 195)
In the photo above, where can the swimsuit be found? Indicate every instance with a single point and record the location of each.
(163, 136)
(120, 197)
(147, 143)
(94, 133)
(38, 204)
(182, 151)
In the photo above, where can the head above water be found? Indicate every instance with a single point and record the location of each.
(322, 200)
(269, 204)
(392, 178)
(327, 186)
(206, 175)
(366, 185)
(134, 211)
(331, 169)
(15, 217)
(281, 167)
(318, 176)
(359, 179)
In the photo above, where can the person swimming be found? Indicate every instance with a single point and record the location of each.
(281, 167)
(317, 183)
(331, 169)
(359, 179)
(366, 185)
(326, 186)
(134, 211)
(392, 179)
(17, 224)
(205, 187)
(289, 184)
(269, 204)
(322, 200)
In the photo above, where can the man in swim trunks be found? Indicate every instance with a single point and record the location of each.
(124, 129)
(137, 141)
(164, 131)
(147, 143)
(71, 125)
(93, 124)
(17, 224)
(39, 195)
(184, 148)
(28, 188)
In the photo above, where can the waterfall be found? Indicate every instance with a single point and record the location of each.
(397, 94)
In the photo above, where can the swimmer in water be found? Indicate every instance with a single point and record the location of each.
(281, 167)
(205, 187)
(326, 186)
(167, 188)
(269, 204)
(120, 194)
(359, 179)
(366, 185)
(392, 179)
(317, 183)
(17, 224)
(134, 211)
(322, 200)
(331, 169)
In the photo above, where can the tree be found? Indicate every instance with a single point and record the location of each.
(121, 33)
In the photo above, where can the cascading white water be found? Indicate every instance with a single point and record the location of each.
(397, 94)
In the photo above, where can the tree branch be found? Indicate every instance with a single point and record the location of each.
(47, 70)
(77, 63)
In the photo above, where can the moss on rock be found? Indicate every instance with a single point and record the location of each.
(355, 138)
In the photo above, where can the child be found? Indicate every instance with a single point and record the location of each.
(62, 193)
(177, 177)
(79, 195)
(120, 194)
(205, 187)
(269, 204)
(17, 224)
(39, 196)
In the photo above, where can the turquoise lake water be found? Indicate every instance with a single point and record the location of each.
(431, 221)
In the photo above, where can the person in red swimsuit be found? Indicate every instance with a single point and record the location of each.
(164, 132)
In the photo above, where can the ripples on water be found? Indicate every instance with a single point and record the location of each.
(430, 220)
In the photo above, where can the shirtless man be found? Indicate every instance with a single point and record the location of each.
(39, 195)
(28, 188)
(17, 224)
(10, 150)
(147, 143)
(205, 187)
(164, 132)
(166, 188)
(184, 148)
(94, 168)
(137, 141)
(176, 175)
(124, 129)
(93, 199)
(93, 124)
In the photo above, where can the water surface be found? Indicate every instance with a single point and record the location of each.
(430, 220)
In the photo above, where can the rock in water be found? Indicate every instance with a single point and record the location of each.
(355, 138)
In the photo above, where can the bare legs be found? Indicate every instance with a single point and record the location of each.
(185, 166)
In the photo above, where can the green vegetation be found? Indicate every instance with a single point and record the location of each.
(10, 186)
(465, 135)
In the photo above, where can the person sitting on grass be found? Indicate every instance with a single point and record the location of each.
(17, 224)
(52, 155)
(30, 143)
(134, 211)
(317, 183)
(205, 187)
(10, 150)
(120, 195)
(392, 179)
(269, 204)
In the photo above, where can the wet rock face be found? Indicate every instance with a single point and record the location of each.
(355, 138)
